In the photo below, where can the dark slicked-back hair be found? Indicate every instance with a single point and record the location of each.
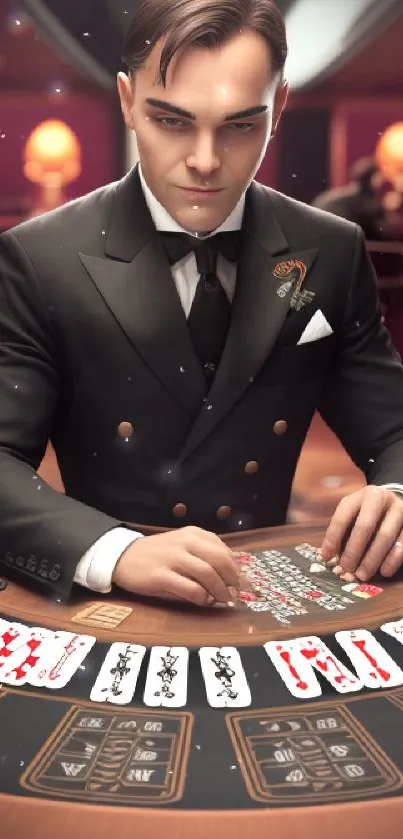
(201, 23)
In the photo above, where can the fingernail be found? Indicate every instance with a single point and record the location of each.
(210, 600)
(349, 578)
(362, 575)
(337, 569)
(332, 562)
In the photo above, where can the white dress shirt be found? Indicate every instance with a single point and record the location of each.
(96, 567)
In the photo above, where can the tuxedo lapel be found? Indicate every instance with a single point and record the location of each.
(135, 280)
(258, 311)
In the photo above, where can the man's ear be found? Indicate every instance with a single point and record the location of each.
(280, 103)
(126, 98)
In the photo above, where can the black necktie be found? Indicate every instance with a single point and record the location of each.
(210, 314)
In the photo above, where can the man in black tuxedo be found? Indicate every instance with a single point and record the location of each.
(177, 376)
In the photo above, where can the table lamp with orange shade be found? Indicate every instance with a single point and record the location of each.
(52, 159)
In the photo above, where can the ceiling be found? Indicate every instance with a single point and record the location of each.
(29, 64)
(377, 70)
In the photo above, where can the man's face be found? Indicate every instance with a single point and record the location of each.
(209, 147)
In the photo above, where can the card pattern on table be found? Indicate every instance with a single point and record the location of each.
(137, 757)
(316, 755)
(294, 582)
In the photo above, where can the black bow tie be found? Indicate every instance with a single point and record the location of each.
(210, 314)
(178, 245)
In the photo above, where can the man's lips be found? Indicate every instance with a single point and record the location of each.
(198, 189)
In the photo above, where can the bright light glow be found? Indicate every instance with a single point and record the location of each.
(318, 32)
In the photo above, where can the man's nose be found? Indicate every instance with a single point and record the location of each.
(204, 157)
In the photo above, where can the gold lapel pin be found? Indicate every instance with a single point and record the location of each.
(293, 271)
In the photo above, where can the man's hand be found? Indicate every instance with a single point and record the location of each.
(366, 533)
(188, 564)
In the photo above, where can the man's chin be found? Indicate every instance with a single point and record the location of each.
(199, 221)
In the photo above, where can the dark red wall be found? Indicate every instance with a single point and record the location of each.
(94, 119)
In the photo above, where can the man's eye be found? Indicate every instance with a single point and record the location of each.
(171, 122)
(241, 127)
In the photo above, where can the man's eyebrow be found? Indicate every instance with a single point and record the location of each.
(250, 112)
(174, 109)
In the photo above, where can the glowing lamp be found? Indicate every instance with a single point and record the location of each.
(389, 154)
(52, 159)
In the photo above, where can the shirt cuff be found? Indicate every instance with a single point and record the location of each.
(398, 488)
(96, 567)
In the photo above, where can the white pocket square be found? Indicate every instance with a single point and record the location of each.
(317, 328)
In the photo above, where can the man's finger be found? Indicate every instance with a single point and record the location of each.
(177, 587)
(384, 539)
(207, 576)
(394, 559)
(372, 509)
(221, 559)
(341, 521)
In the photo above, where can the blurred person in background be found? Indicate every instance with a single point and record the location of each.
(360, 201)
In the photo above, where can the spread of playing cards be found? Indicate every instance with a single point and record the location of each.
(292, 582)
(292, 696)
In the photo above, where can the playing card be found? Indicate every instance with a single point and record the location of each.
(315, 651)
(117, 678)
(224, 677)
(394, 629)
(366, 590)
(61, 660)
(27, 657)
(167, 677)
(50, 651)
(374, 666)
(293, 668)
(12, 638)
